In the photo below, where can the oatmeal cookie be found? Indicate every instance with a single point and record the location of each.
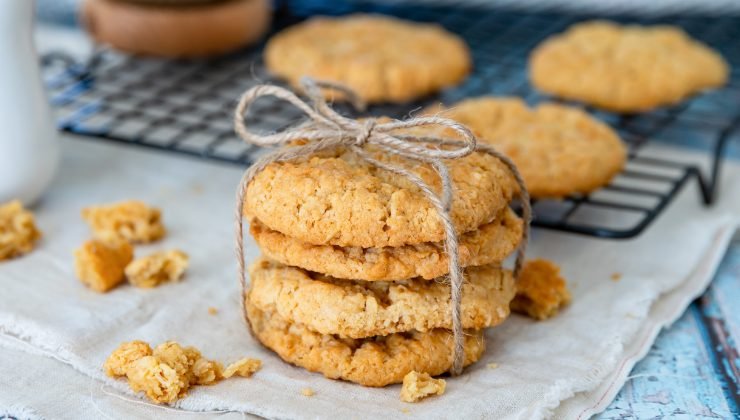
(375, 361)
(99, 265)
(625, 68)
(18, 232)
(336, 198)
(358, 309)
(132, 221)
(541, 291)
(490, 244)
(559, 150)
(383, 59)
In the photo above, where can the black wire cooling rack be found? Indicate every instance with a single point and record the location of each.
(186, 106)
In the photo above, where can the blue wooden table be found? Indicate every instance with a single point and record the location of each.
(693, 369)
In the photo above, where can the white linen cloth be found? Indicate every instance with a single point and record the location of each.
(569, 367)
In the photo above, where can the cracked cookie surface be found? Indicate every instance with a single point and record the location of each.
(375, 361)
(490, 244)
(383, 59)
(359, 309)
(337, 198)
(625, 68)
(559, 150)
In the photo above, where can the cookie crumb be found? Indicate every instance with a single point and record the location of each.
(122, 357)
(492, 365)
(18, 232)
(212, 310)
(405, 410)
(159, 381)
(244, 367)
(157, 268)
(132, 221)
(308, 392)
(165, 373)
(417, 386)
(100, 265)
(541, 291)
(616, 276)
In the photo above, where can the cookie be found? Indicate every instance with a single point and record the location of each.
(541, 291)
(625, 68)
(383, 59)
(359, 309)
(337, 198)
(559, 150)
(375, 361)
(490, 244)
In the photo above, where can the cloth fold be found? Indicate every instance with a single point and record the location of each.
(569, 366)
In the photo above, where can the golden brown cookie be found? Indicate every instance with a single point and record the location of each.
(625, 68)
(559, 150)
(541, 291)
(336, 198)
(359, 309)
(157, 268)
(383, 59)
(375, 361)
(490, 244)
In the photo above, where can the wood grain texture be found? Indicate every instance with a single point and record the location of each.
(692, 370)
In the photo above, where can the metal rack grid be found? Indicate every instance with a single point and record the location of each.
(185, 106)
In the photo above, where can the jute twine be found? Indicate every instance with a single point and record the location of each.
(326, 129)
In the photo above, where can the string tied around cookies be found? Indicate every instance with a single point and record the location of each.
(326, 129)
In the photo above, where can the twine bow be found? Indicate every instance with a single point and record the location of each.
(326, 129)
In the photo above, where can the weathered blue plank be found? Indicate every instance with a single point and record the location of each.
(692, 369)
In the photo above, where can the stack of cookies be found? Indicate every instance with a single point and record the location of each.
(353, 281)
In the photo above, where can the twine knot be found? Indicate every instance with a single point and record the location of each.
(367, 130)
(326, 129)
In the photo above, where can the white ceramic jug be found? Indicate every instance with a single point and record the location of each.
(29, 152)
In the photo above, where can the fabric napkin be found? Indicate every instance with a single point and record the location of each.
(569, 366)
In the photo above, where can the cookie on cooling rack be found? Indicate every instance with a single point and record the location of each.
(383, 59)
(176, 28)
(374, 361)
(359, 309)
(559, 150)
(625, 68)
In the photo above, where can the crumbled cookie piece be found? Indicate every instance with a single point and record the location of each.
(419, 385)
(207, 372)
(165, 373)
(126, 354)
(159, 381)
(308, 392)
(99, 265)
(492, 365)
(616, 276)
(18, 232)
(132, 221)
(541, 291)
(212, 311)
(244, 367)
(157, 268)
(176, 357)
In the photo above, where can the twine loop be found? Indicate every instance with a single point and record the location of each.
(326, 129)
